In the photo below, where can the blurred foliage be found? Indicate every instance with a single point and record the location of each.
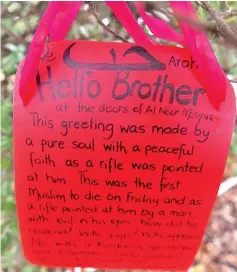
(19, 21)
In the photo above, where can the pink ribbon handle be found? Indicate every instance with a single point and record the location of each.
(128, 21)
(27, 85)
(158, 27)
(209, 73)
(64, 19)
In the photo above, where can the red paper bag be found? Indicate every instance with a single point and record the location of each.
(118, 153)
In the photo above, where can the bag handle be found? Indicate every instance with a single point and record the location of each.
(120, 10)
(158, 27)
(30, 68)
(127, 19)
(210, 73)
(64, 19)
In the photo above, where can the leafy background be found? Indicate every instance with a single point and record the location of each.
(19, 21)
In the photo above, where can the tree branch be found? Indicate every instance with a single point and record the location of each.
(228, 14)
(233, 80)
(225, 30)
(93, 11)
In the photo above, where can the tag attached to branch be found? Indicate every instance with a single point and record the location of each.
(118, 158)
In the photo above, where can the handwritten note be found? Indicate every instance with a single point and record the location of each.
(118, 158)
